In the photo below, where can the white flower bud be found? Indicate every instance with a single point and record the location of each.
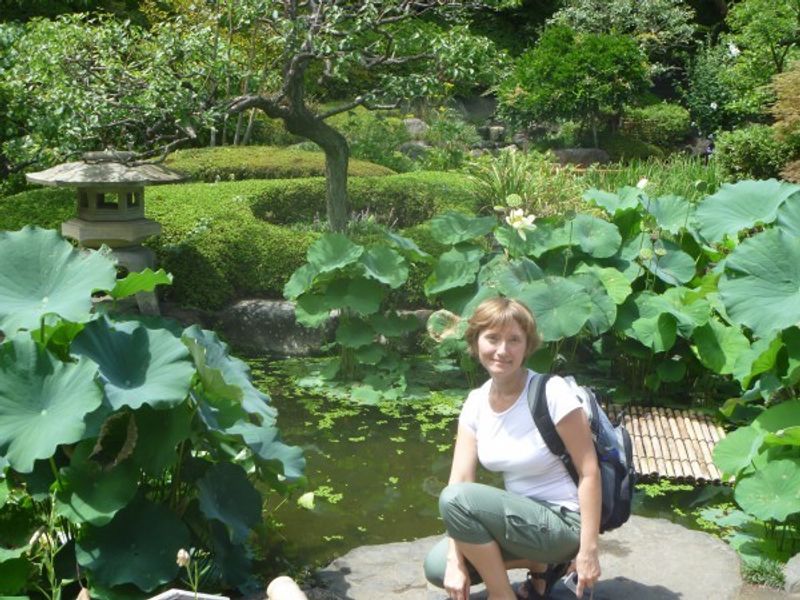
(183, 558)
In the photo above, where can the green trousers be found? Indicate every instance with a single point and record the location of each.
(523, 528)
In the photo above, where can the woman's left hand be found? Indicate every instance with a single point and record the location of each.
(587, 564)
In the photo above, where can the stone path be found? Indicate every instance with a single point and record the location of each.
(647, 559)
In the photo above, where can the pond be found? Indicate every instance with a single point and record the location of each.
(376, 472)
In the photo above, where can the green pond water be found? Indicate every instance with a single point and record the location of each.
(376, 472)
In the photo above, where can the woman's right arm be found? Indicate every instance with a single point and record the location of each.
(465, 463)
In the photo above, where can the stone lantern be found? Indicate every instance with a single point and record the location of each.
(110, 206)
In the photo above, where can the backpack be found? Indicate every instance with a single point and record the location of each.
(611, 442)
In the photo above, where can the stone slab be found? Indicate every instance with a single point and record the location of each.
(647, 559)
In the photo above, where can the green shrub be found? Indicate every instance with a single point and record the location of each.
(45, 207)
(271, 132)
(663, 124)
(752, 152)
(259, 162)
(622, 147)
(451, 137)
(375, 137)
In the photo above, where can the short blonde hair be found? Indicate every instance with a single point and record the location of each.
(497, 313)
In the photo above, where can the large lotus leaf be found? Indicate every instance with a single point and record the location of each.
(718, 346)
(138, 365)
(780, 416)
(455, 268)
(453, 228)
(791, 341)
(561, 307)
(507, 276)
(354, 333)
(736, 451)
(407, 247)
(788, 436)
(672, 213)
(510, 239)
(761, 284)
(41, 273)
(214, 384)
(443, 324)
(265, 442)
(42, 401)
(233, 560)
(300, 281)
(657, 333)
(159, 433)
(789, 215)
(225, 494)
(604, 310)
(394, 325)
(385, 265)
(233, 370)
(312, 310)
(143, 281)
(741, 205)
(14, 575)
(371, 355)
(116, 440)
(549, 236)
(138, 546)
(333, 251)
(649, 305)
(669, 263)
(91, 494)
(611, 203)
(772, 492)
(596, 237)
(761, 358)
(361, 295)
(617, 285)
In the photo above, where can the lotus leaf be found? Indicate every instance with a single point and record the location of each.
(385, 265)
(453, 228)
(650, 306)
(41, 273)
(370, 355)
(759, 359)
(604, 310)
(361, 295)
(761, 284)
(116, 439)
(138, 546)
(300, 281)
(14, 574)
(138, 365)
(225, 494)
(233, 370)
(42, 401)
(549, 236)
(736, 451)
(741, 205)
(669, 263)
(718, 346)
(143, 281)
(772, 492)
(333, 251)
(596, 237)
(160, 431)
(617, 286)
(393, 325)
(442, 324)
(455, 268)
(672, 213)
(561, 307)
(671, 371)
(789, 216)
(509, 238)
(791, 341)
(365, 394)
(407, 247)
(354, 333)
(92, 494)
(214, 385)
(789, 436)
(312, 310)
(657, 333)
(233, 560)
(783, 415)
(612, 203)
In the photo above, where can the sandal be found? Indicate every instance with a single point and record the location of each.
(551, 575)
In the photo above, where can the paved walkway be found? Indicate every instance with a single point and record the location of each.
(647, 559)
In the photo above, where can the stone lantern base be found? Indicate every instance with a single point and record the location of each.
(114, 234)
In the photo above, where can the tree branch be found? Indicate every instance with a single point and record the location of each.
(270, 106)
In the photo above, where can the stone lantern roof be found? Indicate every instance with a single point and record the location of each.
(105, 169)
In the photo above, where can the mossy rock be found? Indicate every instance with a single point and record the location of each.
(623, 148)
(235, 163)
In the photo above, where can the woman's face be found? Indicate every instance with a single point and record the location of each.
(501, 350)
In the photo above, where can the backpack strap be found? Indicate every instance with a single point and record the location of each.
(537, 402)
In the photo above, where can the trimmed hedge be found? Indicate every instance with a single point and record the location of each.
(227, 163)
(217, 246)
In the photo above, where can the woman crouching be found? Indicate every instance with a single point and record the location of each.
(542, 520)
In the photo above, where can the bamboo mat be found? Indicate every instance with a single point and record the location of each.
(670, 443)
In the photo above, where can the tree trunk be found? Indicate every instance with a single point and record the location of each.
(249, 131)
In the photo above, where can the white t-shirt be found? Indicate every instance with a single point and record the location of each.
(509, 442)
